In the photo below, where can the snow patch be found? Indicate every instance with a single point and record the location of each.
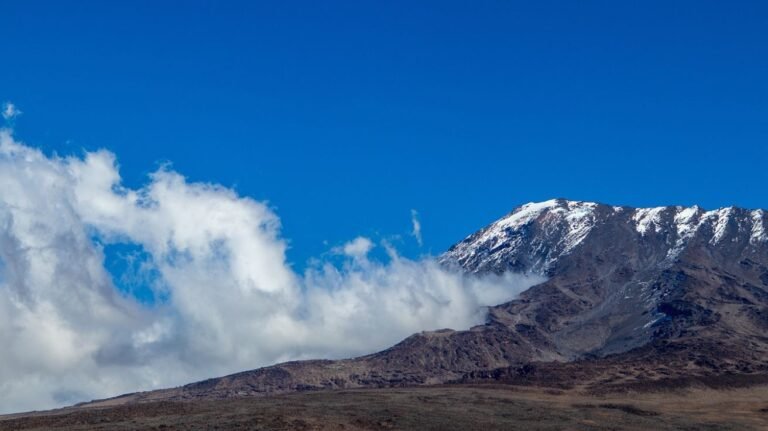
(581, 220)
(649, 324)
(525, 214)
(566, 222)
(721, 218)
(647, 218)
(758, 227)
(685, 226)
(685, 221)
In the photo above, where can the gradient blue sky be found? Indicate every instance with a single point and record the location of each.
(347, 115)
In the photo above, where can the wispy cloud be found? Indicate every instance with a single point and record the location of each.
(10, 111)
(232, 301)
(416, 230)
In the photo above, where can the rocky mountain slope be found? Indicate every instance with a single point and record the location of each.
(654, 296)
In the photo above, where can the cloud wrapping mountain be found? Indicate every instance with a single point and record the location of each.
(231, 300)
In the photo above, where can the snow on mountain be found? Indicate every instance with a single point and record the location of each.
(647, 218)
(562, 226)
(534, 236)
(758, 227)
(720, 220)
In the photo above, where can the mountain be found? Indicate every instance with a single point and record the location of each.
(634, 298)
(620, 278)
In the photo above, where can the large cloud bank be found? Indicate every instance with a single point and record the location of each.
(229, 300)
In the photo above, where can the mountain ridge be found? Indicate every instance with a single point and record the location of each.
(579, 214)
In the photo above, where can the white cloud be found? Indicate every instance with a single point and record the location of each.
(10, 111)
(358, 248)
(416, 231)
(233, 302)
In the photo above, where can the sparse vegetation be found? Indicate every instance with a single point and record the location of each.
(426, 408)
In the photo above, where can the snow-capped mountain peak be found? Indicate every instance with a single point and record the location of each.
(535, 236)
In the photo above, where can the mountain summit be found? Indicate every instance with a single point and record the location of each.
(633, 297)
(535, 236)
(620, 277)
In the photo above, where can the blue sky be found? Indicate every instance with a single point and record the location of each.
(347, 115)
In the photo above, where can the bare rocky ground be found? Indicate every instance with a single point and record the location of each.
(467, 407)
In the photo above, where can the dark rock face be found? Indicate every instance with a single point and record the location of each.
(633, 296)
